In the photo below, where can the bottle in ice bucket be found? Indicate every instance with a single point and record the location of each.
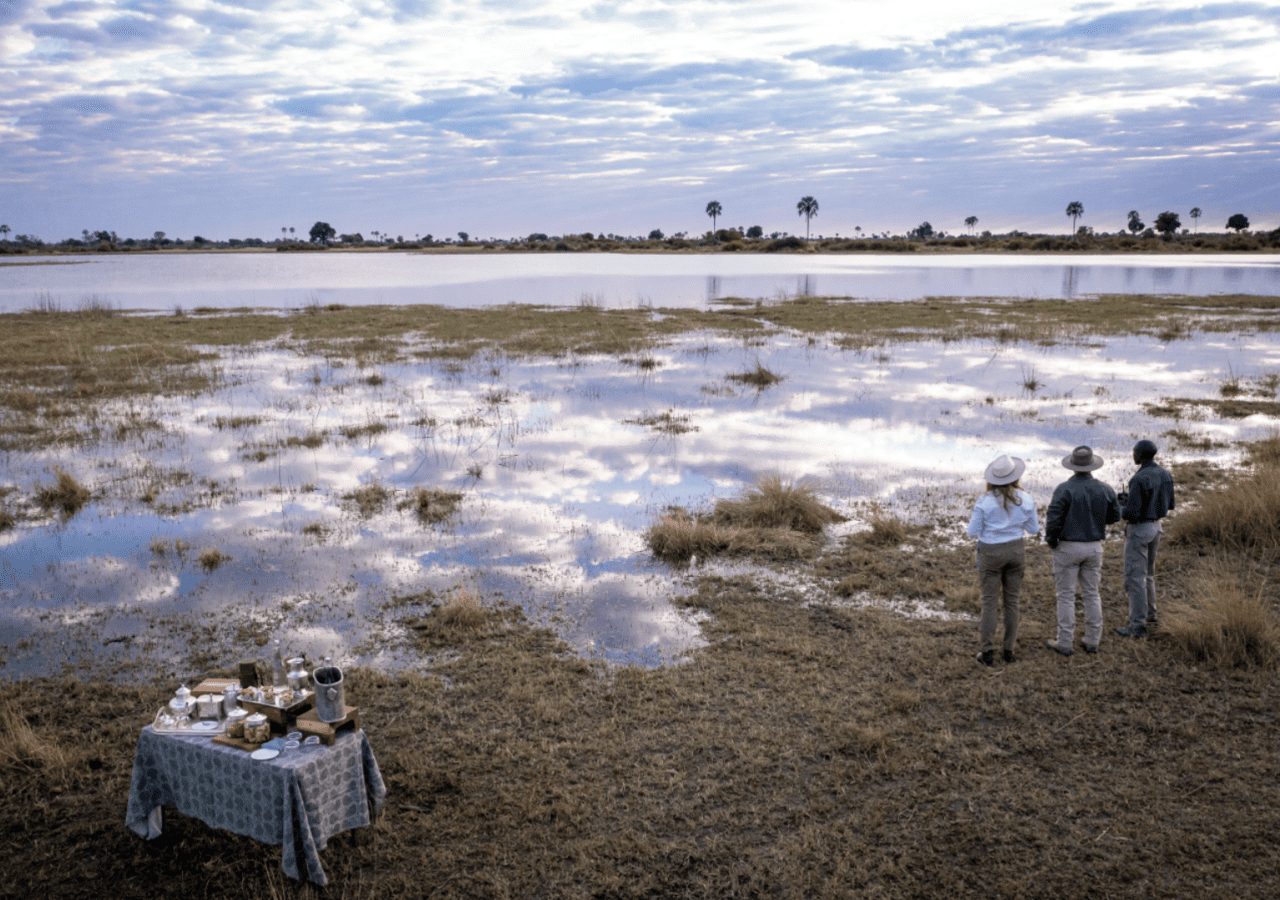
(327, 680)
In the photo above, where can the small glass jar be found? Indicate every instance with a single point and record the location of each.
(257, 729)
(230, 699)
(235, 722)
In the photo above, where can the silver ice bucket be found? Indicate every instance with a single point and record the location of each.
(327, 681)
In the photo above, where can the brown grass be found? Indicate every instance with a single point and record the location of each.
(1228, 626)
(887, 530)
(774, 520)
(66, 494)
(759, 377)
(432, 505)
(666, 422)
(462, 611)
(7, 520)
(775, 503)
(809, 750)
(24, 748)
(211, 558)
(1245, 515)
(369, 500)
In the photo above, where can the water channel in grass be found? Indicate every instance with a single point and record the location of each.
(188, 280)
(562, 464)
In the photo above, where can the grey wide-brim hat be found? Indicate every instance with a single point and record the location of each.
(1082, 459)
(1005, 469)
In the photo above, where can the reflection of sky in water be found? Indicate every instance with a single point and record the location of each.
(555, 519)
(163, 281)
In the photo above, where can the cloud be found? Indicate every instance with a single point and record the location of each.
(488, 101)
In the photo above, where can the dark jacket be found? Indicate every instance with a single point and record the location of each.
(1150, 494)
(1081, 509)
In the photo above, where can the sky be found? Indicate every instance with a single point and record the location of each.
(414, 117)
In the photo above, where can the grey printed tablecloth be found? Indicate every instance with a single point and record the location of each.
(298, 800)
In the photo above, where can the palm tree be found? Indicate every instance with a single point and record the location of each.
(807, 207)
(4, 232)
(1075, 209)
(714, 210)
(284, 229)
(971, 221)
(1135, 221)
(291, 231)
(1195, 217)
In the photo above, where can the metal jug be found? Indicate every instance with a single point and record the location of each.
(327, 680)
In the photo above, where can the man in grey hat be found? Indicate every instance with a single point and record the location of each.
(1079, 513)
(1147, 501)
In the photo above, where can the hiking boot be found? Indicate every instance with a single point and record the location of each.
(987, 657)
(1132, 631)
(1009, 657)
(1057, 648)
(1089, 648)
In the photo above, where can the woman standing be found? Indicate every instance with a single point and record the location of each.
(1001, 516)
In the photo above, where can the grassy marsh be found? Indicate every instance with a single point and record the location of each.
(814, 747)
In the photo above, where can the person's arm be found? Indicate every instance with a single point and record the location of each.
(1132, 500)
(1168, 484)
(1113, 506)
(976, 520)
(1055, 516)
(1031, 525)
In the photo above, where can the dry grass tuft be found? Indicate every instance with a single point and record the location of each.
(66, 494)
(774, 503)
(774, 520)
(678, 537)
(370, 499)
(462, 611)
(212, 558)
(887, 530)
(667, 422)
(6, 519)
(759, 377)
(22, 748)
(432, 505)
(1230, 627)
(1244, 516)
(1265, 452)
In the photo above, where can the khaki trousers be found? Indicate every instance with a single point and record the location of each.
(1000, 569)
(1078, 563)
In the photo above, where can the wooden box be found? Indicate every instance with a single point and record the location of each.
(309, 723)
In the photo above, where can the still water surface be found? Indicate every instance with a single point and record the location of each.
(165, 281)
(559, 477)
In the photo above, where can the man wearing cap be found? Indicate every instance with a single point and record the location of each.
(1147, 501)
(1075, 524)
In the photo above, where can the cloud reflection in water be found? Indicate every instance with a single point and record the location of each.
(565, 488)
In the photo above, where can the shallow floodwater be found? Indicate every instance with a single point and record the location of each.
(562, 466)
(165, 281)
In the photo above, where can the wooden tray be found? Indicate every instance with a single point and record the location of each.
(279, 714)
(309, 723)
(238, 743)
(214, 686)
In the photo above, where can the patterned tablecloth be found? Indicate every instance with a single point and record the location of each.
(298, 800)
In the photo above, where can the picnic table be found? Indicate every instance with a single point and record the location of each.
(298, 800)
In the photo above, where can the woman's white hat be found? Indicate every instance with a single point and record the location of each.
(1005, 469)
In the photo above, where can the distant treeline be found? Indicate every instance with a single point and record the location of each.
(724, 240)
